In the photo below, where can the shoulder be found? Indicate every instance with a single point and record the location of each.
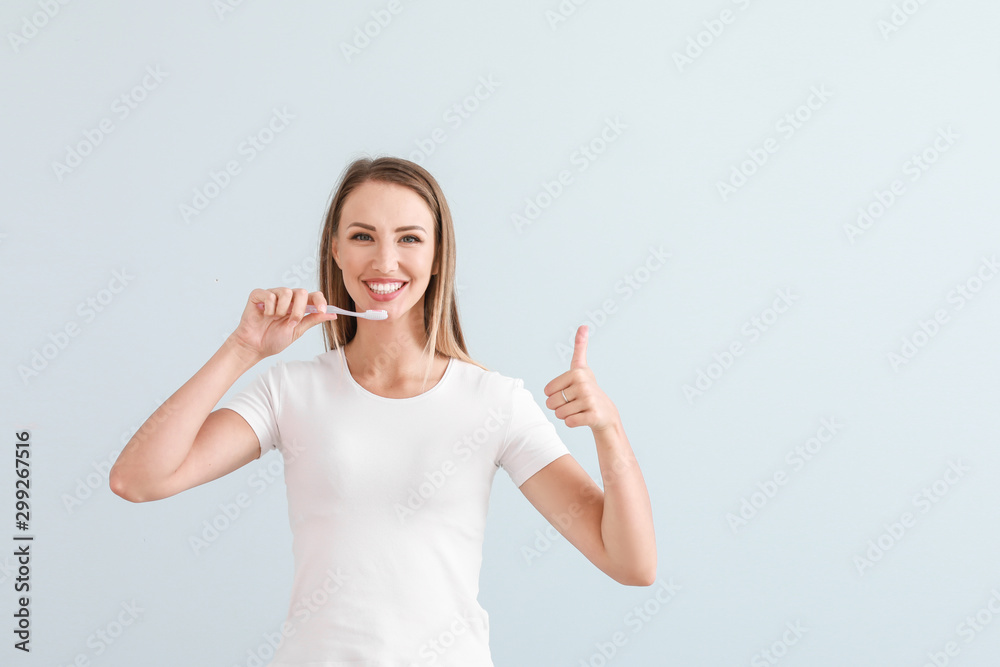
(474, 377)
(292, 369)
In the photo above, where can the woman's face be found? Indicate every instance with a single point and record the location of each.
(385, 241)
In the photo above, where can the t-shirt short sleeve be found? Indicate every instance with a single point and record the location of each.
(259, 405)
(532, 442)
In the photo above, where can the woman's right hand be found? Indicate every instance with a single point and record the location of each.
(269, 330)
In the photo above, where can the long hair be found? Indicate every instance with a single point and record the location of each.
(444, 332)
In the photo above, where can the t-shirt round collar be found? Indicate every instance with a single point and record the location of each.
(352, 381)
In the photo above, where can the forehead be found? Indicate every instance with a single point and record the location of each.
(379, 203)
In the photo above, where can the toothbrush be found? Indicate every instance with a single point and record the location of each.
(368, 314)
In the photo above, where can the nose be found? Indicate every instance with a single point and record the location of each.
(385, 259)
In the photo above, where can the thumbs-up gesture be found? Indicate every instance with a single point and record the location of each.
(575, 396)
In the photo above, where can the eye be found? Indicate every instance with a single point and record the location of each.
(411, 236)
(359, 234)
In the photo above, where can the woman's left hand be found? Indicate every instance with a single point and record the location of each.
(584, 403)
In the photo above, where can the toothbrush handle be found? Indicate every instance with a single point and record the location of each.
(368, 314)
(309, 309)
(330, 309)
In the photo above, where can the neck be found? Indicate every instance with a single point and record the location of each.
(389, 350)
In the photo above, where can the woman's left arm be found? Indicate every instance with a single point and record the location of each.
(613, 528)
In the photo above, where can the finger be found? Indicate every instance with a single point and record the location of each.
(569, 409)
(580, 348)
(308, 322)
(283, 301)
(271, 307)
(556, 401)
(317, 299)
(262, 299)
(558, 383)
(561, 396)
(297, 309)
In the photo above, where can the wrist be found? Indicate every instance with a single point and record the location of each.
(612, 430)
(245, 354)
(612, 427)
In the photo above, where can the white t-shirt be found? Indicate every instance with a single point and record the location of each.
(387, 501)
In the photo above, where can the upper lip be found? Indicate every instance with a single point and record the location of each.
(383, 281)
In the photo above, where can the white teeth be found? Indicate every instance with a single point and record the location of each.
(384, 288)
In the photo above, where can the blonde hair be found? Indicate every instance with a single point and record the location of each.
(444, 332)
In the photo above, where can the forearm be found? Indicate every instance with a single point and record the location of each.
(162, 443)
(627, 520)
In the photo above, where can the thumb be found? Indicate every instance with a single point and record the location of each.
(580, 348)
(311, 320)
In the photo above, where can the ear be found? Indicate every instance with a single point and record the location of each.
(333, 247)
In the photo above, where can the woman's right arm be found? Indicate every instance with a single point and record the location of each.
(184, 443)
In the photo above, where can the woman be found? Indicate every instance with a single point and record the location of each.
(391, 439)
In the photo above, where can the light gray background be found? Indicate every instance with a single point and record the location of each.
(522, 294)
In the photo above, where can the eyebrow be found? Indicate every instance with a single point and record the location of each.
(398, 229)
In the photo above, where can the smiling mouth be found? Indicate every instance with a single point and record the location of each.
(385, 288)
